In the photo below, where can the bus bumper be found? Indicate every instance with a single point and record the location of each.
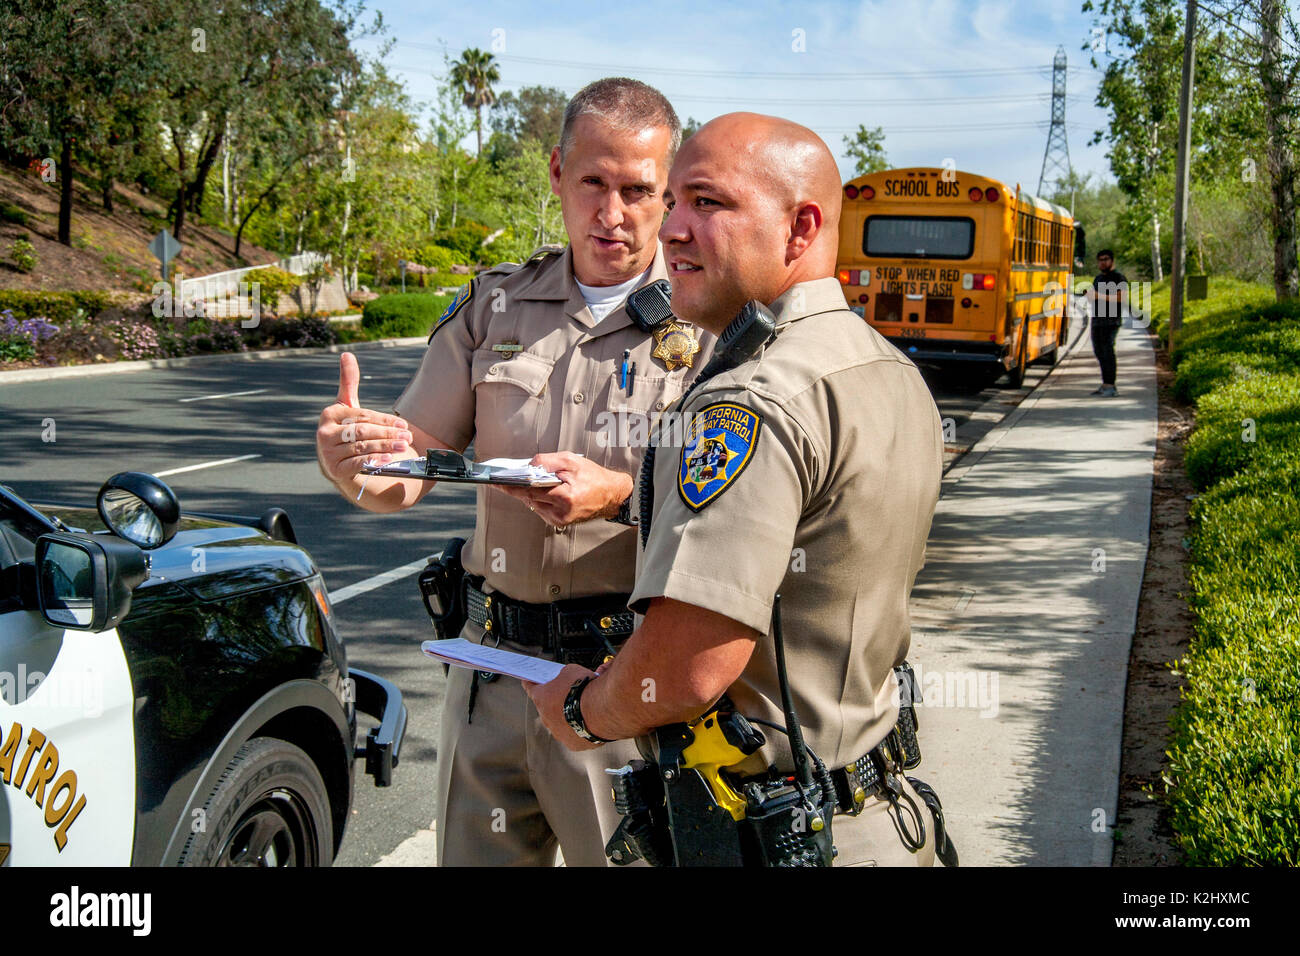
(985, 353)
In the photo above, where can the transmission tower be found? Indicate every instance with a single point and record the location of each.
(1056, 158)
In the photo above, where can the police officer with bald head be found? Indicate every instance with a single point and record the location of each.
(540, 361)
(826, 446)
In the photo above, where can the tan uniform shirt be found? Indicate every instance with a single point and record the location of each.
(812, 471)
(560, 392)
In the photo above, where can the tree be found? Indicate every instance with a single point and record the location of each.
(474, 73)
(241, 56)
(1139, 89)
(690, 127)
(1264, 49)
(64, 65)
(866, 148)
(535, 112)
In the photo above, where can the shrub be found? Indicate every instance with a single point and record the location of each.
(466, 239)
(22, 340)
(1234, 777)
(11, 213)
(23, 254)
(57, 307)
(273, 282)
(135, 338)
(1221, 446)
(400, 316)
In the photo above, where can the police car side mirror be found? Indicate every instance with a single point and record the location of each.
(84, 581)
(140, 508)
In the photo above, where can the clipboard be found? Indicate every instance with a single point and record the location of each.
(442, 464)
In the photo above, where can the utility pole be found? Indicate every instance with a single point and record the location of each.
(1056, 157)
(1180, 182)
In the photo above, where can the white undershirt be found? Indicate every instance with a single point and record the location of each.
(603, 299)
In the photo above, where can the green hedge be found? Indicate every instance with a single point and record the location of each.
(1234, 758)
(57, 307)
(403, 315)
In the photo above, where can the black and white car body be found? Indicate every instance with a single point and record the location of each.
(173, 689)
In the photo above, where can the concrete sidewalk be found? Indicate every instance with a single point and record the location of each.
(1024, 614)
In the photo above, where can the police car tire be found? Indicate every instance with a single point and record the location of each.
(269, 778)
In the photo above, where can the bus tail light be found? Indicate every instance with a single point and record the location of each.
(851, 192)
(855, 277)
(868, 192)
(976, 194)
(979, 281)
(991, 194)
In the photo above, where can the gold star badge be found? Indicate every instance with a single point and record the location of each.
(675, 345)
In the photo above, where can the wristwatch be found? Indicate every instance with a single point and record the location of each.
(573, 712)
(625, 514)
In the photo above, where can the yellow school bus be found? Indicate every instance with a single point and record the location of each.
(957, 269)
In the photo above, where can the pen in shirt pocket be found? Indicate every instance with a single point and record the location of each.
(624, 379)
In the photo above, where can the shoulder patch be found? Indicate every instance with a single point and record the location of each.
(719, 445)
(464, 295)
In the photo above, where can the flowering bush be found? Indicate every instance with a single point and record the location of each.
(135, 338)
(20, 341)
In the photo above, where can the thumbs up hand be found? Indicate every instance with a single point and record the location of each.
(348, 434)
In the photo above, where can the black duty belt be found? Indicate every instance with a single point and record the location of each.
(877, 771)
(579, 626)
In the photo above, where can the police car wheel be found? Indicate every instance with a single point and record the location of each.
(269, 808)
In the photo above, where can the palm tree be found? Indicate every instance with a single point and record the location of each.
(474, 73)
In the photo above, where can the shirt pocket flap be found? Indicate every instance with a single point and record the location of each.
(524, 370)
(648, 394)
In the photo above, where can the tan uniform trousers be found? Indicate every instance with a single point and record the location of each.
(508, 793)
(872, 838)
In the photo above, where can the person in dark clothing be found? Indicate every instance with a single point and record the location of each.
(1109, 297)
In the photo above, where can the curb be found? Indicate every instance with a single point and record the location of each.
(114, 368)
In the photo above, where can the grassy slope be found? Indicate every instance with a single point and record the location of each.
(109, 250)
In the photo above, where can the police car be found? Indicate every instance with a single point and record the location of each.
(173, 689)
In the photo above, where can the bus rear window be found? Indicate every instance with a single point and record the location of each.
(919, 237)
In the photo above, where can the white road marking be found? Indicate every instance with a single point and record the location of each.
(200, 398)
(206, 464)
(378, 581)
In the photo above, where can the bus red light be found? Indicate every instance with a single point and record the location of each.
(868, 192)
(991, 194)
(851, 192)
(863, 298)
(988, 280)
(844, 276)
(976, 194)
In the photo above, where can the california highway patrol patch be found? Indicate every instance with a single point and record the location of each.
(720, 444)
(462, 297)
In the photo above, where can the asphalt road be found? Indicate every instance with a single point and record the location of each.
(165, 419)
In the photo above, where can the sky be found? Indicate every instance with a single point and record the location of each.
(963, 81)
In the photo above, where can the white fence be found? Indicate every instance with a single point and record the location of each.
(221, 285)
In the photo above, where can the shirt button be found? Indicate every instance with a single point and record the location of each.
(494, 370)
(555, 589)
(577, 398)
(659, 406)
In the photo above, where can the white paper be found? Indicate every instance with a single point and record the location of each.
(462, 653)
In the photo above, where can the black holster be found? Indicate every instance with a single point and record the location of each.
(443, 591)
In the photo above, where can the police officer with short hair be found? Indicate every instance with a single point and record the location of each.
(540, 361)
(818, 482)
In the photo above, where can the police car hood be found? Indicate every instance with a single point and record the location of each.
(209, 560)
